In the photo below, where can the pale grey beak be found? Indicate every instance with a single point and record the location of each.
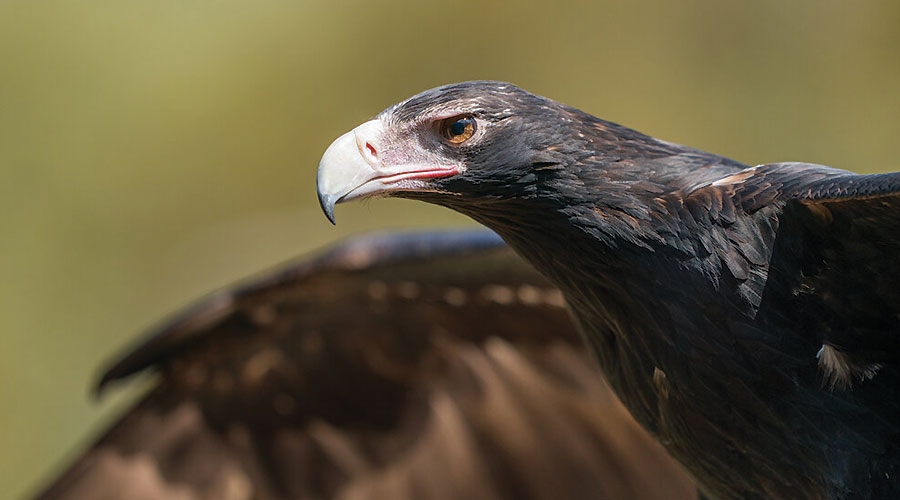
(348, 166)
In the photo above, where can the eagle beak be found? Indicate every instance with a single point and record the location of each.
(348, 166)
(352, 168)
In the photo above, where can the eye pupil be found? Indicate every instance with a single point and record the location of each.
(459, 126)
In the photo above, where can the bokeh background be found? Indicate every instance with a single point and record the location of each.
(153, 151)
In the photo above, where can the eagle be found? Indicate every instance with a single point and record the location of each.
(747, 316)
(433, 365)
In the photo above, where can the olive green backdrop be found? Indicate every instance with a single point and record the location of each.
(152, 151)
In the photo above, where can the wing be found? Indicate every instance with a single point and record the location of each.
(830, 239)
(836, 255)
(404, 366)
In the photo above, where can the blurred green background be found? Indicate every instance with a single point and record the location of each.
(153, 151)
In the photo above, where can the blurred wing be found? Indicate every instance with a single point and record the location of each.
(406, 366)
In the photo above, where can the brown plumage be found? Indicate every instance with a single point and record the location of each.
(746, 316)
(418, 366)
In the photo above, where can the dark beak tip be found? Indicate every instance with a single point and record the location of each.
(327, 204)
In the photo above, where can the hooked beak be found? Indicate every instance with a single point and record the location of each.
(352, 168)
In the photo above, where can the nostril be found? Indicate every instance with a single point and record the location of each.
(367, 147)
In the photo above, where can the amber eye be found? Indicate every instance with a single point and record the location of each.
(458, 129)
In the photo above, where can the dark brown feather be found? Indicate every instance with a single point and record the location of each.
(389, 368)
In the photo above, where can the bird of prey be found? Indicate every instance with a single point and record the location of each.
(748, 317)
(410, 366)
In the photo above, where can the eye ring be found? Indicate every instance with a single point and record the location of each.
(457, 129)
